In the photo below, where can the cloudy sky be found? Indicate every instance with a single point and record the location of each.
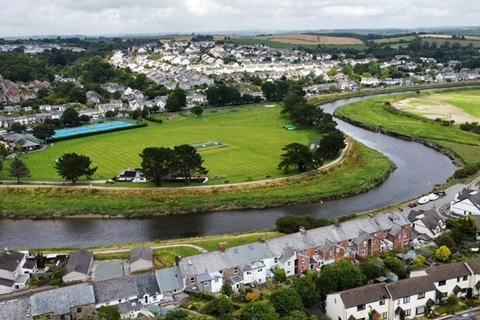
(93, 17)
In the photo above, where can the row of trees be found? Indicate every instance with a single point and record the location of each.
(160, 164)
(220, 95)
(301, 156)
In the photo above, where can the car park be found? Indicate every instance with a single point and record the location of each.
(424, 200)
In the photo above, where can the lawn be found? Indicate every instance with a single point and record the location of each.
(374, 114)
(252, 138)
(461, 106)
(362, 170)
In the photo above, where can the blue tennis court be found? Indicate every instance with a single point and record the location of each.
(91, 128)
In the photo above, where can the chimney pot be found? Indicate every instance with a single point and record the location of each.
(222, 246)
(177, 260)
(302, 230)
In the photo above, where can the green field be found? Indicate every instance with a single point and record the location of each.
(464, 43)
(373, 113)
(362, 170)
(393, 40)
(252, 138)
(248, 41)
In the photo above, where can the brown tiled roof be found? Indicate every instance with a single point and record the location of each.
(474, 265)
(448, 271)
(363, 295)
(411, 286)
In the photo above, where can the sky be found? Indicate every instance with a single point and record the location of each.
(107, 17)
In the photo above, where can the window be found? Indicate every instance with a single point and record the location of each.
(288, 264)
(79, 310)
(248, 272)
(275, 260)
(420, 310)
(421, 295)
(458, 279)
(260, 270)
(382, 302)
(361, 307)
(384, 315)
(235, 270)
(408, 312)
(465, 278)
(442, 283)
(406, 299)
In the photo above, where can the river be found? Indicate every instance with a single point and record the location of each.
(419, 169)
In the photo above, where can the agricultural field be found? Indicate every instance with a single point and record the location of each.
(301, 40)
(441, 40)
(375, 114)
(249, 144)
(460, 106)
(394, 40)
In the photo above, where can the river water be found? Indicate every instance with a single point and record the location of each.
(419, 168)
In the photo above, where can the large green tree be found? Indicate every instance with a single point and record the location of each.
(19, 170)
(70, 117)
(306, 287)
(260, 310)
(72, 166)
(44, 131)
(108, 313)
(286, 300)
(157, 163)
(176, 100)
(187, 162)
(330, 145)
(296, 155)
(340, 276)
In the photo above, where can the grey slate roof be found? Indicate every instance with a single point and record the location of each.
(60, 301)
(363, 295)
(232, 257)
(141, 254)
(410, 286)
(474, 265)
(6, 282)
(115, 289)
(448, 271)
(15, 310)
(169, 279)
(147, 284)
(80, 262)
(9, 260)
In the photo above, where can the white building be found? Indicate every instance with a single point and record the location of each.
(466, 203)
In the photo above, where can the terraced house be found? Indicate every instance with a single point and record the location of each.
(295, 253)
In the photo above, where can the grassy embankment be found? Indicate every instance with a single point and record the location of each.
(362, 169)
(374, 114)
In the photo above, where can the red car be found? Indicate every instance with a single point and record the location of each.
(412, 205)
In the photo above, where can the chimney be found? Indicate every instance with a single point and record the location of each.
(371, 215)
(222, 246)
(302, 230)
(336, 222)
(262, 240)
(177, 260)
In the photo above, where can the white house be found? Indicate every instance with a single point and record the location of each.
(466, 203)
(115, 291)
(428, 223)
(449, 279)
(412, 297)
(357, 303)
(13, 276)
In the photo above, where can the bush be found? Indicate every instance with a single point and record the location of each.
(467, 171)
(280, 275)
(291, 224)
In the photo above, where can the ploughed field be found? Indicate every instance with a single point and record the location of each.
(410, 115)
(250, 141)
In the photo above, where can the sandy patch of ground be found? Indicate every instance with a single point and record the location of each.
(435, 108)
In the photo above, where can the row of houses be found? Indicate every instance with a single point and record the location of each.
(412, 297)
(295, 253)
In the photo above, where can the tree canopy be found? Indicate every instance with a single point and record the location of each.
(72, 166)
(19, 170)
(296, 155)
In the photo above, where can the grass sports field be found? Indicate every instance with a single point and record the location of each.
(252, 138)
(373, 113)
(460, 106)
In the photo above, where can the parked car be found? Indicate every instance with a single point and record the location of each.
(433, 196)
(441, 194)
(412, 205)
(424, 200)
